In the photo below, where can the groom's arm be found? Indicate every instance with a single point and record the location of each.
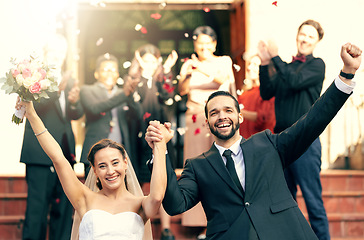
(292, 142)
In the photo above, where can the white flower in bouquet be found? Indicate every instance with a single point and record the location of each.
(31, 80)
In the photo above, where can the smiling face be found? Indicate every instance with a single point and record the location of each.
(107, 74)
(223, 119)
(307, 39)
(109, 167)
(204, 46)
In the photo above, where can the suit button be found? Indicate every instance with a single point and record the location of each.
(247, 204)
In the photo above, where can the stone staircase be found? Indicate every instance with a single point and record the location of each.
(343, 195)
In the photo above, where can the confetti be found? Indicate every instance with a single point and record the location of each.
(168, 87)
(174, 82)
(58, 200)
(146, 115)
(162, 5)
(237, 67)
(107, 55)
(140, 134)
(126, 108)
(156, 16)
(177, 98)
(181, 131)
(241, 106)
(143, 30)
(102, 113)
(194, 37)
(197, 131)
(120, 81)
(126, 64)
(138, 27)
(206, 9)
(184, 59)
(169, 102)
(140, 84)
(99, 41)
(239, 92)
(136, 97)
(186, 35)
(194, 118)
(275, 3)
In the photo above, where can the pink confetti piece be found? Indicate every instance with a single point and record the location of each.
(168, 87)
(102, 113)
(275, 3)
(194, 118)
(143, 30)
(156, 16)
(206, 9)
(184, 60)
(197, 131)
(146, 115)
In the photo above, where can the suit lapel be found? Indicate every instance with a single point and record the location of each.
(214, 158)
(248, 153)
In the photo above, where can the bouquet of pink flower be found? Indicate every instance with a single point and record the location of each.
(31, 80)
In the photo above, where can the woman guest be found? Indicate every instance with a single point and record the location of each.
(112, 212)
(201, 75)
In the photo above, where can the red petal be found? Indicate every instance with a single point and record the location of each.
(274, 3)
(194, 118)
(197, 131)
(206, 9)
(146, 115)
(155, 16)
(143, 30)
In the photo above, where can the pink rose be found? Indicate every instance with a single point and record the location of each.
(35, 88)
(43, 72)
(15, 72)
(26, 73)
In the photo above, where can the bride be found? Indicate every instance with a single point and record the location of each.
(118, 210)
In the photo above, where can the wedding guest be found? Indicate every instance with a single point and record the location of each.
(296, 86)
(155, 89)
(45, 195)
(104, 104)
(258, 113)
(201, 75)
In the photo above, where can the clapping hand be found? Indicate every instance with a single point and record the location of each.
(170, 61)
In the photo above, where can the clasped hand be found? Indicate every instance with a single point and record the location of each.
(157, 132)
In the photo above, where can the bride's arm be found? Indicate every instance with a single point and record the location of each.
(72, 187)
(158, 182)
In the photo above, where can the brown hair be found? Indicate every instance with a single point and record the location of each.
(314, 24)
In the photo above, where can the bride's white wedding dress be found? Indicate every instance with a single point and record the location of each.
(101, 225)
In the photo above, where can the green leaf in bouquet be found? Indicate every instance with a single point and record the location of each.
(3, 80)
(36, 97)
(43, 95)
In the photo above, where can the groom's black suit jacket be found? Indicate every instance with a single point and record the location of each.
(267, 207)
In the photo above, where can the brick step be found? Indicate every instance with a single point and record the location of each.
(13, 184)
(338, 202)
(11, 227)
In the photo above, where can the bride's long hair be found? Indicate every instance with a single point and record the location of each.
(131, 181)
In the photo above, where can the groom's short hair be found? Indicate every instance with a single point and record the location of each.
(221, 93)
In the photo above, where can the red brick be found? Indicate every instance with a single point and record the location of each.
(337, 183)
(346, 205)
(336, 229)
(355, 183)
(360, 205)
(354, 229)
(331, 205)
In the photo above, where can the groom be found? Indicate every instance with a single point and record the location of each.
(251, 200)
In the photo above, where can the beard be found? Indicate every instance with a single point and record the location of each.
(214, 131)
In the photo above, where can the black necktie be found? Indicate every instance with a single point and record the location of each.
(231, 168)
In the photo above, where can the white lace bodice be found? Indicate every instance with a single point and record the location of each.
(101, 225)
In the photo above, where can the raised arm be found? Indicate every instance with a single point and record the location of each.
(73, 188)
(158, 182)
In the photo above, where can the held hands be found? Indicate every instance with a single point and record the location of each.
(351, 56)
(157, 132)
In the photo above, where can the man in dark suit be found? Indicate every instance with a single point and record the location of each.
(296, 86)
(44, 188)
(105, 105)
(253, 202)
